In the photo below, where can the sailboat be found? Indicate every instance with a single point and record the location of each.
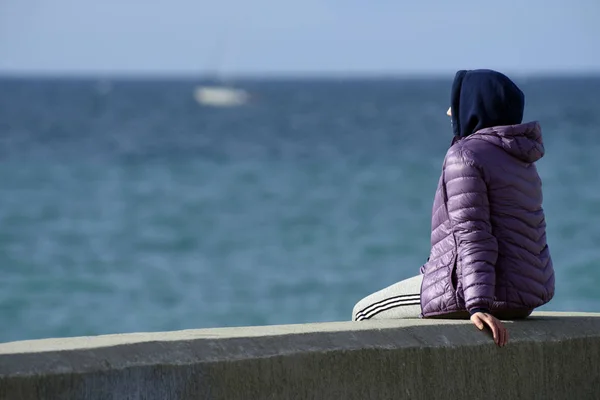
(221, 93)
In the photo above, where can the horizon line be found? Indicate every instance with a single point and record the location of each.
(283, 75)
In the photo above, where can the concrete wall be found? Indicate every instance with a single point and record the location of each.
(549, 356)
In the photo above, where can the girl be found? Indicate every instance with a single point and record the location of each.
(489, 259)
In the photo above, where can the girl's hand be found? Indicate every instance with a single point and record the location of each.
(481, 320)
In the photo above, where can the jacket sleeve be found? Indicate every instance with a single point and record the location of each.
(469, 212)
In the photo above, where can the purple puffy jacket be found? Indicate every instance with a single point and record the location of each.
(488, 232)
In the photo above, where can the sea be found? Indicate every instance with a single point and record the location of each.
(125, 206)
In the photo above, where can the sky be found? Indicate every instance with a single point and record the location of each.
(296, 37)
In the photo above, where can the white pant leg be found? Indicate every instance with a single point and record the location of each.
(400, 300)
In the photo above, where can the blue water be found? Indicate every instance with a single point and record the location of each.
(127, 207)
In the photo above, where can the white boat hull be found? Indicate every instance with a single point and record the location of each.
(220, 96)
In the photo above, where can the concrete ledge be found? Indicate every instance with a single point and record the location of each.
(549, 356)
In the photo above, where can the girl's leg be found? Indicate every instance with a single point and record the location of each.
(401, 300)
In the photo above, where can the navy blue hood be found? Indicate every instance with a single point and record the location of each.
(484, 98)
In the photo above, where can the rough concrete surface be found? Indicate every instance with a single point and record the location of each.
(549, 356)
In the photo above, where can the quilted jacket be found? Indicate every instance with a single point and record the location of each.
(488, 233)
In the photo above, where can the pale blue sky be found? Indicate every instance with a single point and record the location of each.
(300, 36)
